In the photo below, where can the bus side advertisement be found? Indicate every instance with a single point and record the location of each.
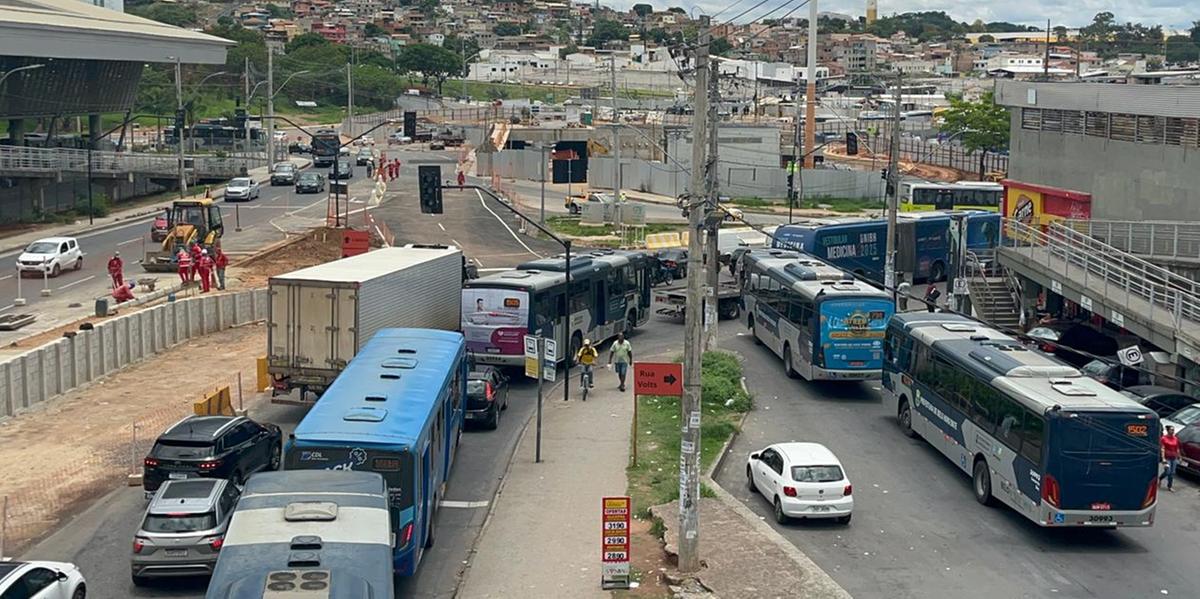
(495, 320)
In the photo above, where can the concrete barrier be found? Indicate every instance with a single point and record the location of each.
(59, 366)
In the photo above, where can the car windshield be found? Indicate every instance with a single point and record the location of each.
(1096, 368)
(310, 177)
(1186, 415)
(42, 247)
(476, 387)
(239, 183)
(182, 450)
(285, 167)
(1044, 333)
(179, 522)
(816, 474)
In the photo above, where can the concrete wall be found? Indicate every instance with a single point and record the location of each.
(736, 180)
(62, 365)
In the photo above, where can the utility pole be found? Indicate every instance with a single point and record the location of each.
(179, 107)
(715, 216)
(1046, 60)
(246, 102)
(889, 273)
(616, 124)
(271, 106)
(689, 445)
(350, 99)
(810, 90)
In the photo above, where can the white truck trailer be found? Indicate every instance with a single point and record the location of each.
(319, 317)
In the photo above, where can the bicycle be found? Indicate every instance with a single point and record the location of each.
(585, 381)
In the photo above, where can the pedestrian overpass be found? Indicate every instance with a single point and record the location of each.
(1146, 299)
(16, 161)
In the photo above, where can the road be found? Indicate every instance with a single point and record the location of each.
(917, 530)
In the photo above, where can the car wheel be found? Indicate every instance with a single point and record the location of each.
(54, 272)
(140, 581)
(780, 517)
(237, 479)
(905, 419)
(750, 480)
(504, 406)
(494, 421)
(844, 519)
(276, 454)
(981, 483)
(79, 263)
(937, 272)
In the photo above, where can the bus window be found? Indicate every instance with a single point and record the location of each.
(985, 406)
(800, 313)
(1031, 437)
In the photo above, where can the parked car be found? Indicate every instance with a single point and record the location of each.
(183, 529)
(364, 157)
(41, 580)
(1163, 400)
(1182, 418)
(161, 227)
(398, 138)
(437, 144)
(50, 256)
(242, 188)
(1189, 449)
(284, 173)
(341, 170)
(310, 182)
(674, 263)
(229, 447)
(1112, 374)
(487, 396)
(801, 480)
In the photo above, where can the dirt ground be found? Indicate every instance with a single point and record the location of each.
(316, 247)
(929, 172)
(57, 454)
(650, 560)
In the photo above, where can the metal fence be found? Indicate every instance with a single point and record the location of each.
(1153, 239)
(950, 156)
(46, 161)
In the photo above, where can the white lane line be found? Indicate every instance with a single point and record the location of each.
(129, 241)
(74, 283)
(464, 504)
(8, 307)
(456, 243)
(6, 277)
(441, 227)
(510, 231)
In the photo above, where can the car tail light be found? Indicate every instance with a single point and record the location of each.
(1050, 490)
(138, 544)
(150, 463)
(789, 491)
(491, 393)
(1151, 494)
(210, 465)
(216, 543)
(406, 535)
(669, 264)
(847, 491)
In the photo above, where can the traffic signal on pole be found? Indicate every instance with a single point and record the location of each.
(239, 118)
(851, 143)
(429, 186)
(180, 118)
(410, 125)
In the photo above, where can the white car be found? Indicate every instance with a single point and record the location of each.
(399, 138)
(50, 256)
(242, 188)
(41, 580)
(801, 480)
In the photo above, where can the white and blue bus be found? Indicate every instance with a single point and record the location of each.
(397, 409)
(1058, 447)
(825, 324)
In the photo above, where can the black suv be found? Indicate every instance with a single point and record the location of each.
(487, 395)
(230, 447)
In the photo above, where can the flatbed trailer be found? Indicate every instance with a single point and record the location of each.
(671, 301)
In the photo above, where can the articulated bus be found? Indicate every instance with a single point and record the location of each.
(962, 195)
(610, 293)
(825, 324)
(397, 409)
(1033, 433)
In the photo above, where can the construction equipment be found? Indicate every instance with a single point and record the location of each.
(190, 221)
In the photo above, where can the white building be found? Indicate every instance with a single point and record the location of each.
(117, 5)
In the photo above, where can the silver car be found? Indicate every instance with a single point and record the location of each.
(242, 188)
(183, 529)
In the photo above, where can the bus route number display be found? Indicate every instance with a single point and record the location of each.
(614, 544)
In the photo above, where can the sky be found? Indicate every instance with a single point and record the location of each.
(1171, 14)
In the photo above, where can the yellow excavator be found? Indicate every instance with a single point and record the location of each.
(190, 221)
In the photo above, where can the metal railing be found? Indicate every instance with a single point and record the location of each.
(18, 159)
(1107, 270)
(1157, 239)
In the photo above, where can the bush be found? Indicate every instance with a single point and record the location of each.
(99, 207)
(720, 382)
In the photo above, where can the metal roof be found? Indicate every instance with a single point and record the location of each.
(1151, 100)
(364, 267)
(71, 29)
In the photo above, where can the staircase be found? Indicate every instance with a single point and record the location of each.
(992, 295)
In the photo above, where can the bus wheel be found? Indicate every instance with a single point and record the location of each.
(750, 325)
(631, 321)
(429, 528)
(937, 272)
(982, 482)
(787, 362)
(905, 419)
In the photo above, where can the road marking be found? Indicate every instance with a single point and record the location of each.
(6, 277)
(464, 504)
(439, 226)
(8, 307)
(493, 269)
(510, 231)
(456, 243)
(129, 241)
(74, 283)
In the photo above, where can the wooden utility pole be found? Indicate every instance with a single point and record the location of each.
(693, 349)
(712, 259)
(893, 178)
(810, 90)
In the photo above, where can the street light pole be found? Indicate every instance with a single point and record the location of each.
(271, 106)
(889, 273)
(542, 168)
(179, 108)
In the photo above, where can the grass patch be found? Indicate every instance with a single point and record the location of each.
(843, 204)
(655, 478)
(569, 225)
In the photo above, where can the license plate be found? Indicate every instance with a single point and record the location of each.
(177, 475)
(820, 508)
(1101, 519)
(493, 350)
(176, 552)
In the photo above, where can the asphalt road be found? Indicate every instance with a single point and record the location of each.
(917, 530)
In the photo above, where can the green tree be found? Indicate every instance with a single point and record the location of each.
(677, 10)
(305, 40)
(371, 30)
(1180, 49)
(1060, 34)
(981, 126)
(986, 39)
(179, 15)
(467, 49)
(642, 10)
(719, 46)
(507, 29)
(606, 30)
(567, 51)
(431, 62)
(1194, 32)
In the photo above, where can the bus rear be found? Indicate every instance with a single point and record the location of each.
(850, 345)
(495, 321)
(1101, 468)
(325, 145)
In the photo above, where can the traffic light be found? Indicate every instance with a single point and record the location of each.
(429, 186)
(410, 125)
(239, 118)
(851, 143)
(883, 174)
(180, 122)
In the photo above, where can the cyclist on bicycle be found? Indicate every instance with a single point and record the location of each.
(587, 357)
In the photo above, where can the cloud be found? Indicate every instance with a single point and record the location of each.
(1172, 14)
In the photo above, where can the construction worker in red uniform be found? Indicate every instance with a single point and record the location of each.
(221, 262)
(462, 178)
(115, 268)
(205, 266)
(195, 251)
(185, 265)
(123, 292)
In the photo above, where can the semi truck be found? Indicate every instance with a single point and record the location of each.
(319, 317)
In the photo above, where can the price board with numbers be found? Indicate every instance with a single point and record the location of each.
(614, 543)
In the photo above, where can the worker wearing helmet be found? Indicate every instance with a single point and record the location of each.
(587, 357)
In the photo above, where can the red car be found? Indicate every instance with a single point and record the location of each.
(160, 229)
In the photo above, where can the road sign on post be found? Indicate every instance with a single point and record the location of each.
(550, 358)
(531, 357)
(656, 378)
(614, 547)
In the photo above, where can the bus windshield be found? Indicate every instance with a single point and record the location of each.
(852, 331)
(1105, 459)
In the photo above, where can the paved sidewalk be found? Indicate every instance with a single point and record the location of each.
(542, 538)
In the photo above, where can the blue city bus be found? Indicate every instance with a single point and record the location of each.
(823, 323)
(396, 409)
(325, 144)
(1059, 448)
(859, 245)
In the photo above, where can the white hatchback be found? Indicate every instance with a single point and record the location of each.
(41, 580)
(801, 480)
(50, 256)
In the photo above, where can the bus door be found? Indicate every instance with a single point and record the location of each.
(425, 502)
(599, 303)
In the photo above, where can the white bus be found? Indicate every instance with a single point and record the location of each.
(823, 323)
(1058, 447)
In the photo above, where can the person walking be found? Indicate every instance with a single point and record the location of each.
(621, 354)
(586, 357)
(221, 262)
(195, 251)
(185, 265)
(902, 291)
(462, 178)
(116, 270)
(204, 266)
(1170, 456)
(932, 293)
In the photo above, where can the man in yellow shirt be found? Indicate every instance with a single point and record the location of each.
(587, 357)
